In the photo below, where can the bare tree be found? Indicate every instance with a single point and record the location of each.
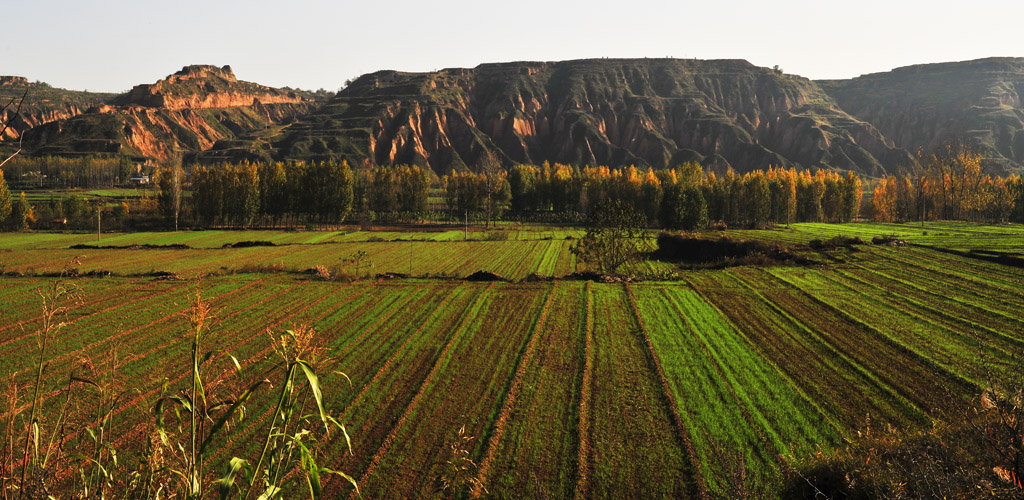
(169, 199)
(10, 119)
(495, 182)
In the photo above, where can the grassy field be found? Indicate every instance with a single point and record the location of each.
(717, 385)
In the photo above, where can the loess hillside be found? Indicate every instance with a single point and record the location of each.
(614, 112)
(657, 112)
(924, 105)
(187, 112)
(43, 104)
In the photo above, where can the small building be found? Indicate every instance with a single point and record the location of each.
(140, 180)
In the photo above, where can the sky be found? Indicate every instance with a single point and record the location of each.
(112, 45)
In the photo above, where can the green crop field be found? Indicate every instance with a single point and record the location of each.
(719, 384)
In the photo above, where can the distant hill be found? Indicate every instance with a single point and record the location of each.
(43, 103)
(657, 112)
(185, 113)
(924, 105)
(615, 112)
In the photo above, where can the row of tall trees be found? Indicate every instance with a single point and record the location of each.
(237, 194)
(86, 172)
(949, 184)
(686, 197)
(395, 189)
(468, 192)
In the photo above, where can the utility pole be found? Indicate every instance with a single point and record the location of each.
(467, 227)
(99, 218)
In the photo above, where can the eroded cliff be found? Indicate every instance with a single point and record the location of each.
(43, 104)
(187, 112)
(925, 105)
(657, 112)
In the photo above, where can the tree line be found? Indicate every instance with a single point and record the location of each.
(239, 193)
(949, 184)
(54, 172)
(687, 197)
(14, 213)
(296, 193)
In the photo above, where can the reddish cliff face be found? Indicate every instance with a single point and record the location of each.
(205, 87)
(611, 112)
(42, 104)
(188, 111)
(29, 118)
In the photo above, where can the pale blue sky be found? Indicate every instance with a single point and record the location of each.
(114, 44)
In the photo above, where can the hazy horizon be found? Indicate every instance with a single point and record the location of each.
(112, 46)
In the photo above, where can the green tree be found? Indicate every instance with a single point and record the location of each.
(523, 188)
(125, 169)
(757, 199)
(381, 197)
(169, 198)
(76, 210)
(495, 183)
(852, 195)
(331, 188)
(413, 185)
(5, 199)
(616, 236)
(694, 209)
(21, 214)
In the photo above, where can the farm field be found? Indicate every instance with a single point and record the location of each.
(442, 254)
(513, 253)
(706, 387)
(952, 235)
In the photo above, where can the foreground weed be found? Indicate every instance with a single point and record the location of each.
(289, 446)
(460, 473)
(42, 444)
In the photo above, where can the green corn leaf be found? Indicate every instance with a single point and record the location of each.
(314, 384)
(158, 413)
(225, 483)
(312, 472)
(35, 438)
(343, 374)
(85, 381)
(183, 402)
(345, 476)
(113, 453)
(272, 492)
